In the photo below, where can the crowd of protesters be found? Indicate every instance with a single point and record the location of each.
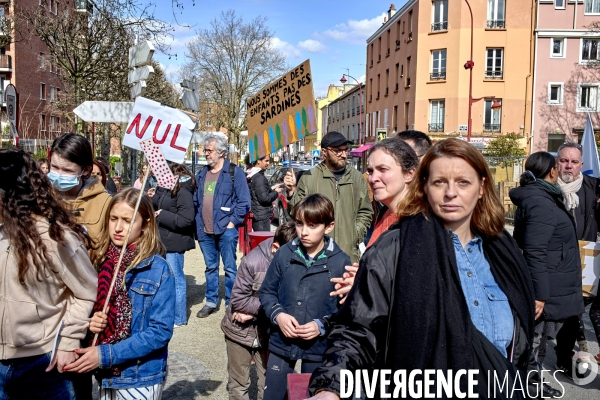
(92, 287)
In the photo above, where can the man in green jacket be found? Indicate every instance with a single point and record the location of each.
(344, 186)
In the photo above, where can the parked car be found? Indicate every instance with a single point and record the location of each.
(280, 205)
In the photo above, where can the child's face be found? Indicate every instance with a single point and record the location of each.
(311, 235)
(120, 218)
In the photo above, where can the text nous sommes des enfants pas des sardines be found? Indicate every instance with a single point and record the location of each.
(268, 102)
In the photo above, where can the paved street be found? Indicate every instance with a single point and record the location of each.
(198, 361)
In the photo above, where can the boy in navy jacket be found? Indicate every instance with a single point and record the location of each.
(295, 294)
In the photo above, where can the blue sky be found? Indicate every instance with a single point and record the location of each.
(331, 33)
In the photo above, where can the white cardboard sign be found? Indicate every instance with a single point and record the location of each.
(590, 265)
(169, 128)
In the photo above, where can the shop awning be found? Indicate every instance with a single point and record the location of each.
(360, 150)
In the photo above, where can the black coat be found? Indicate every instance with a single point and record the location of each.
(407, 311)
(545, 231)
(176, 220)
(587, 214)
(262, 197)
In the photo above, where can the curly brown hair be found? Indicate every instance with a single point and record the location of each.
(26, 196)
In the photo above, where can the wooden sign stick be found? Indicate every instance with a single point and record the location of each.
(118, 266)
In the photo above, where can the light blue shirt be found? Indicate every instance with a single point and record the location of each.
(488, 305)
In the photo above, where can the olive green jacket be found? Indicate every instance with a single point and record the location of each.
(351, 202)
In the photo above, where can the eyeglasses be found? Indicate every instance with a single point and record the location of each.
(338, 152)
(208, 151)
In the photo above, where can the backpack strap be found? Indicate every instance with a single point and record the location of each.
(232, 172)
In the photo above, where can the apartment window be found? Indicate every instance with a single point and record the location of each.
(42, 122)
(438, 65)
(406, 115)
(379, 49)
(395, 119)
(587, 97)
(592, 6)
(589, 50)
(387, 81)
(555, 93)
(43, 91)
(208, 122)
(491, 117)
(493, 63)
(51, 93)
(371, 89)
(402, 70)
(397, 76)
(209, 110)
(41, 60)
(440, 16)
(408, 72)
(559, 4)
(555, 141)
(410, 25)
(398, 35)
(378, 84)
(558, 47)
(389, 41)
(57, 95)
(372, 54)
(496, 14)
(436, 115)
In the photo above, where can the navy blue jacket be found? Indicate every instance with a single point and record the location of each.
(302, 291)
(231, 200)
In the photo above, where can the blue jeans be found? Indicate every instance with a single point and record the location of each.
(175, 260)
(212, 247)
(25, 378)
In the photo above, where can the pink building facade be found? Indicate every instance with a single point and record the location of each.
(567, 71)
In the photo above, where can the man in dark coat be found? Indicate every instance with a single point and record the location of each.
(262, 196)
(581, 194)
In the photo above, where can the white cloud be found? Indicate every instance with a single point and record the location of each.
(353, 31)
(313, 46)
(288, 50)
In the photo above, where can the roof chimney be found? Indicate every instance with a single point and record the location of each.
(391, 11)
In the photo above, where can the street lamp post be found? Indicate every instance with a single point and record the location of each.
(469, 65)
(360, 105)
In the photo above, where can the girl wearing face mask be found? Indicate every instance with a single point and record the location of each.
(71, 165)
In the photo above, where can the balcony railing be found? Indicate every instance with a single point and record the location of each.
(491, 127)
(5, 63)
(436, 127)
(84, 6)
(437, 76)
(439, 26)
(496, 24)
(493, 75)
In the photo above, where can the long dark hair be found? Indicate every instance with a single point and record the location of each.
(26, 196)
(180, 170)
(537, 166)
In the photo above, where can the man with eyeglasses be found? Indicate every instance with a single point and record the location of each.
(344, 186)
(222, 200)
(581, 194)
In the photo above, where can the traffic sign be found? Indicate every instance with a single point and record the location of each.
(141, 54)
(140, 74)
(12, 108)
(191, 100)
(138, 89)
(104, 111)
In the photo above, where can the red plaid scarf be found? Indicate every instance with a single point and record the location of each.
(119, 310)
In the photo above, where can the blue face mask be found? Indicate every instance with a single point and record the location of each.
(63, 183)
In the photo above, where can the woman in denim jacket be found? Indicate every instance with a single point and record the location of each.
(135, 332)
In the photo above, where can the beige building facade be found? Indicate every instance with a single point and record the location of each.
(416, 77)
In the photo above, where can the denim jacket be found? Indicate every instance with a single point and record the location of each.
(142, 357)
